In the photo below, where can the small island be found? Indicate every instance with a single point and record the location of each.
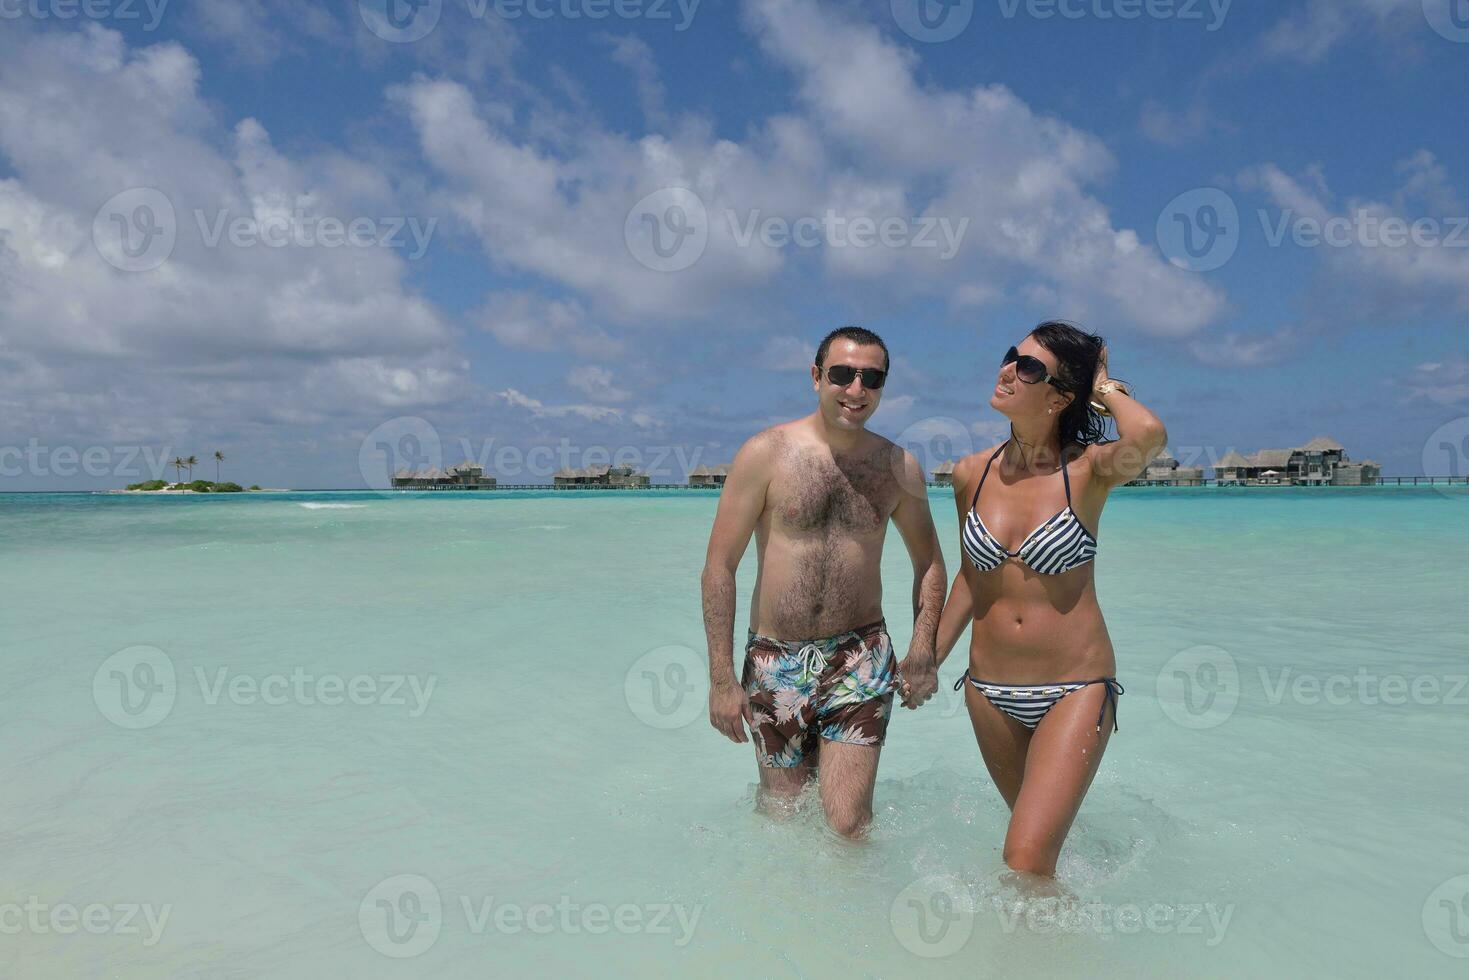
(180, 463)
(196, 486)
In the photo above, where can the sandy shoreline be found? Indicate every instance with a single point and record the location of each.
(201, 492)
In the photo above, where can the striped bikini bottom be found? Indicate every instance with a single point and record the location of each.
(1028, 704)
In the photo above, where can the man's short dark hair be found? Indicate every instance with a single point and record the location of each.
(858, 335)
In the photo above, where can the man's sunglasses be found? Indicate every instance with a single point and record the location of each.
(1031, 370)
(841, 375)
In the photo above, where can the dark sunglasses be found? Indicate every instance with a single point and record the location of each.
(1031, 370)
(841, 375)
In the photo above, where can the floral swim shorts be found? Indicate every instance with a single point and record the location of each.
(840, 689)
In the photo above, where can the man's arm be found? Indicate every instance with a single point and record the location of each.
(915, 523)
(740, 504)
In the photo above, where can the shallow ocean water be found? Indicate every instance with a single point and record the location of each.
(464, 735)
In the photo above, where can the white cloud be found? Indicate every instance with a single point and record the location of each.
(870, 141)
(595, 382)
(1169, 128)
(262, 31)
(536, 409)
(1385, 257)
(634, 54)
(1310, 32)
(526, 321)
(1241, 350)
(786, 353)
(216, 331)
(1443, 383)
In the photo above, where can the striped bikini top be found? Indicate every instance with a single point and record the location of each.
(1059, 545)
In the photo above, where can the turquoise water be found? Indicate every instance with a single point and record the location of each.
(355, 735)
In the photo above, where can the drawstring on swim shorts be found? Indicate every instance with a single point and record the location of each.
(812, 659)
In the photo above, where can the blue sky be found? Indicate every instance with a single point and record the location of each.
(1034, 160)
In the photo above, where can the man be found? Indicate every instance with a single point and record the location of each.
(819, 672)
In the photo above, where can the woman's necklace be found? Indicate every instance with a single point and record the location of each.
(1027, 451)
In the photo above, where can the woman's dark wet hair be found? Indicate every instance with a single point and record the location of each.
(1077, 353)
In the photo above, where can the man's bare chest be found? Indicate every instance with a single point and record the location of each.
(812, 495)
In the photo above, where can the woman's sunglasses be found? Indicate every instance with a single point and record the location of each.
(1031, 370)
(841, 375)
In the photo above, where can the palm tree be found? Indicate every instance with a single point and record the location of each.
(178, 465)
(218, 458)
(191, 462)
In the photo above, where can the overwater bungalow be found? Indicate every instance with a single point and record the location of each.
(1166, 471)
(599, 476)
(465, 476)
(708, 476)
(1321, 462)
(943, 474)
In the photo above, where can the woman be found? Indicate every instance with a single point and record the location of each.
(1041, 687)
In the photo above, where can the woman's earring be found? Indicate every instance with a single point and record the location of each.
(1050, 411)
